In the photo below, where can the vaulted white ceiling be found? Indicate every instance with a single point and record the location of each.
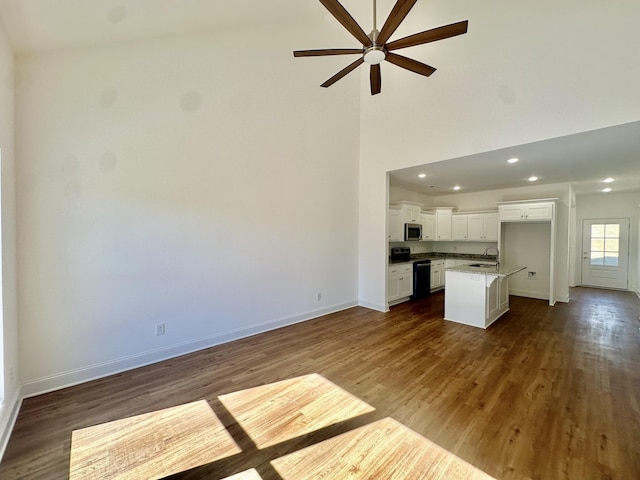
(43, 25)
(583, 159)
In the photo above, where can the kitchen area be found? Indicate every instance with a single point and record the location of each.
(440, 248)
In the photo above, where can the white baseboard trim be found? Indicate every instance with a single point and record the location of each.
(529, 294)
(9, 414)
(99, 370)
(373, 306)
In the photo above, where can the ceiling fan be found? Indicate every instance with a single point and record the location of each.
(375, 47)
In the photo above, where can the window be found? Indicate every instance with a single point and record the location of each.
(605, 244)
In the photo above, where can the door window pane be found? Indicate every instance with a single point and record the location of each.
(611, 245)
(597, 244)
(597, 258)
(612, 230)
(597, 230)
(605, 244)
(611, 259)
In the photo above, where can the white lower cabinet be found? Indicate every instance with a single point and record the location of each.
(475, 299)
(437, 274)
(399, 282)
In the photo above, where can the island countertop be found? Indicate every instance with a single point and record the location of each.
(502, 271)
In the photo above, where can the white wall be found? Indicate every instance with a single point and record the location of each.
(187, 180)
(9, 321)
(528, 244)
(398, 194)
(610, 205)
(502, 84)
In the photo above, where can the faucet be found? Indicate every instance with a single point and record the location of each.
(486, 252)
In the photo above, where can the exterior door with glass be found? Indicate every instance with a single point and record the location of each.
(605, 253)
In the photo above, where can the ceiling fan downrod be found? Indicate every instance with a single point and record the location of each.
(375, 54)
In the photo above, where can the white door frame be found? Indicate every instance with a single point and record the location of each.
(616, 277)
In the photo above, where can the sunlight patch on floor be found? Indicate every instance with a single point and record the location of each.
(382, 449)
(277, 412)
(152, 445)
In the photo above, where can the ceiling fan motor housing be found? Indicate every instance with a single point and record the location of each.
(375, 54)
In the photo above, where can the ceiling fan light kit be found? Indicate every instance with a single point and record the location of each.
(375, 47)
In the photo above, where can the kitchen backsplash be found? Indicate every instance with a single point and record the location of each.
(476, 248)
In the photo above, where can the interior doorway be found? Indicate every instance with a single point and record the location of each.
(605, 253)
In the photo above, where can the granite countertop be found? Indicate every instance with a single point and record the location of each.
(502, 271)
(444, 256)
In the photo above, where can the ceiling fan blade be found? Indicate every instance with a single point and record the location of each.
(409, 64)
(342, 73)
(376, 79)
(332, 51)
(347, 21)
(397, 15)
(432, 35)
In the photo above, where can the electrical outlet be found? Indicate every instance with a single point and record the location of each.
(531, 275)
(318, 296)
(159, 329)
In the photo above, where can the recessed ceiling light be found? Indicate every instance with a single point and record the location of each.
(422, 175)
(457, 187)
(513, 160)
(533, 178)
(606, 190)
(608, 180)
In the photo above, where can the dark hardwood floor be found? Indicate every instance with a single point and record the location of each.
(544, 393)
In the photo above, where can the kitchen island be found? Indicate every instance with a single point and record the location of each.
(477, 295)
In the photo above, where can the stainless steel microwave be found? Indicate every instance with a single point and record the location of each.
(412, 231)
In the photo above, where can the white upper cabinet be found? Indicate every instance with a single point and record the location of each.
(459, 227)
(444, 219)
(428, 221)
(491, 227)
(526, 212)
(482, 227)
(411, 213)
(396, 225)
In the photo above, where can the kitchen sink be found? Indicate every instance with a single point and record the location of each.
(482, 265)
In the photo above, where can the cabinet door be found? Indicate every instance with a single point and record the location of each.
(396, 227)
(437, 274)
(393, 290)
(443, 224)
(531, 212)
(441, 275)
(405, 285)
(459, 227)
(538, 211)
(411, 213)
(428, 226)
(476, 227)
(491, 227)
(512, 213)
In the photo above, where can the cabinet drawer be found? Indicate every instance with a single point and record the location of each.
(400, 268)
